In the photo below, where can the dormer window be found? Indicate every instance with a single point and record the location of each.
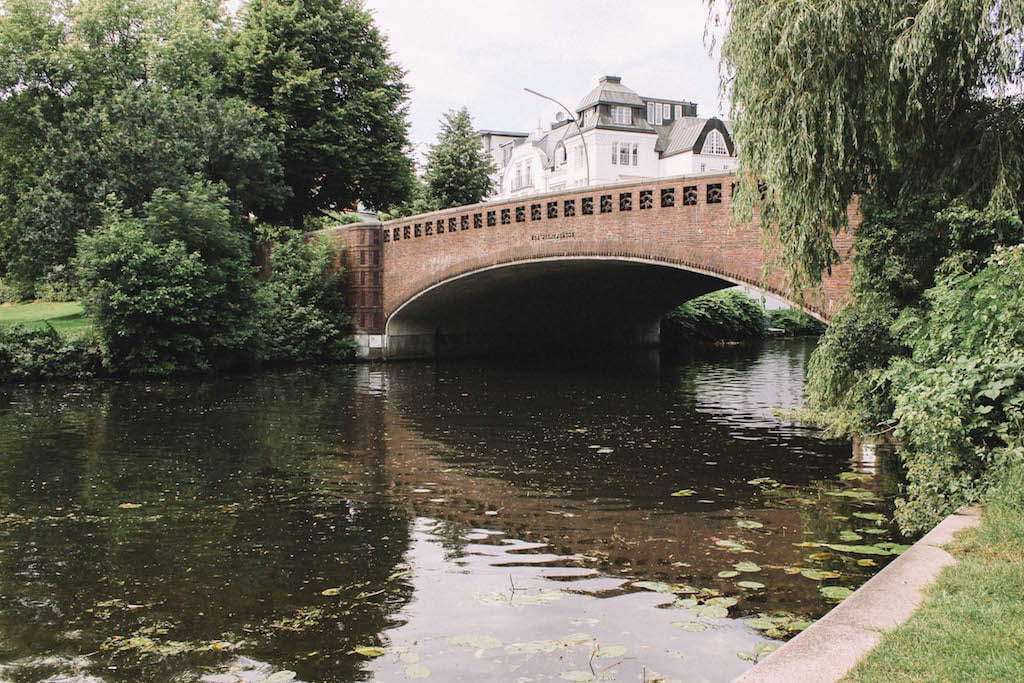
(622, 115)
(714, 143)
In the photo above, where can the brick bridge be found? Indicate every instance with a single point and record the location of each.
(594, 267)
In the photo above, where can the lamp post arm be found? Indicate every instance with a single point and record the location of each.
(586, 152)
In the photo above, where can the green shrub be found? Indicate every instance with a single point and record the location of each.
(170, 290)
(959, 399)
(847, 388)
(42, 353)
(303, 311)
(725, 315)
(796, 323)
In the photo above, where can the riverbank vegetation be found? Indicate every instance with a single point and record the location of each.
(969, 628)
(150, 151)
(918, 114)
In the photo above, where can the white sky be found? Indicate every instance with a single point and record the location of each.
(482, 53)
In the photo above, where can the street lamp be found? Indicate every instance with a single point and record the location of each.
(586, 152)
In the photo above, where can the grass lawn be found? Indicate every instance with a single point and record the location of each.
(68, 318)
(971, 626)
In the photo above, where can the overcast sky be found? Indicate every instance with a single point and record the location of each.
(481, 54)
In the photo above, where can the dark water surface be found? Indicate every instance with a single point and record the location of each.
(586, 520)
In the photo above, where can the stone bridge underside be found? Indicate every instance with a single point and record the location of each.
(593, 268)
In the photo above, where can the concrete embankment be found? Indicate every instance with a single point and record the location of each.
(831, 647)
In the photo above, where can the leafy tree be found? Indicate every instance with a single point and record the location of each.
(303, 311)
(169, 287)
(458, 169)
(322, 71)
(132, 102)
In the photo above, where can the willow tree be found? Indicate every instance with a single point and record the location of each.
(916, 110)
(892, 99)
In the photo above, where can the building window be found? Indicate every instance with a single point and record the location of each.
(560, 155)
(615, 152)
(636, 154)
(714, 143)
(622, 115)
(651, 113)
(624, 153)
(679, 111)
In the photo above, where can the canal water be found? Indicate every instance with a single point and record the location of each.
(631, 519)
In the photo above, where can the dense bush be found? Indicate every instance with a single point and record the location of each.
(171, 290)
(795, 322)
(42, 353)
(959, 398)
(303, 309)
(725, 315)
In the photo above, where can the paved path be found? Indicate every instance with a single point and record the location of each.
(827, 650)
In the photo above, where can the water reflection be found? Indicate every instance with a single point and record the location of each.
(473, 520)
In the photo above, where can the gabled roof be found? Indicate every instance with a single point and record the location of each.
(687, 135)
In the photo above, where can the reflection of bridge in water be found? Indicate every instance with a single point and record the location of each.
(596, 267)
(547, 483)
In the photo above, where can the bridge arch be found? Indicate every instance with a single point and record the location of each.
(565, 302)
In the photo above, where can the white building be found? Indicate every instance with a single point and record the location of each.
(616, 136)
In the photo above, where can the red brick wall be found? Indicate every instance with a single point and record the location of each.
(413, 255)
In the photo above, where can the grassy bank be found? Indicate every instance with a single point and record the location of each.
(68, 318)
(970, 627)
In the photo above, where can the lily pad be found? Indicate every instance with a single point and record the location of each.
(690, 626)
(330, 592)
(819, 574)
(370, 651)
(848, 536)
(282, 676)
(723, 600)
(683, 493)
(534, 647)
(710, 611)
(763, 481)
(860, 494)
(578, 676)
(836, 592)
(656, 586)
(858, 549)
(728, 574)
(417, 671)
(479, 642)
(867, 562)
(129, 506)
(870, 516)
(732, 545)
(751, 585)
(611, 652)
(746, 567)
(749, 524)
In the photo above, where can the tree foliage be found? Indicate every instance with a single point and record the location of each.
(170, 286)
(725, 315)
(833, 98)
(917, 109)
(458, 169)
(322, 70)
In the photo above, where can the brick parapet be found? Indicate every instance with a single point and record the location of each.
(680, 222)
